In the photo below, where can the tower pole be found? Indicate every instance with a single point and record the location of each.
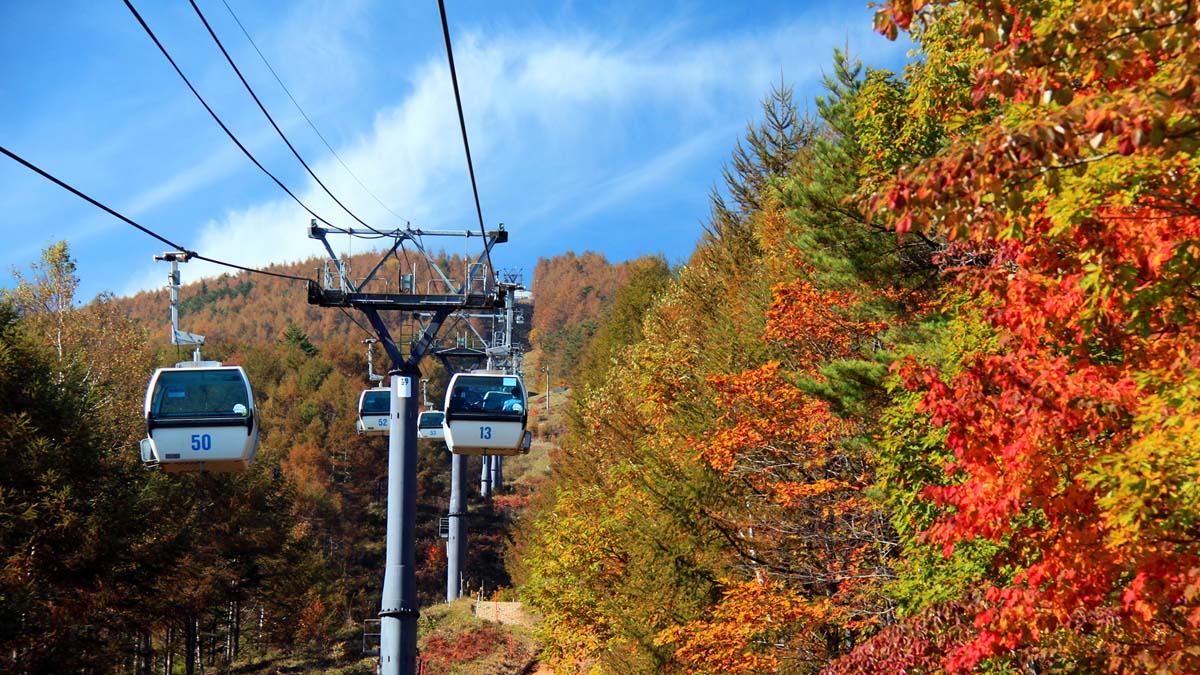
(485, 477)
(497, 473)
(398, 607)
(456, 543)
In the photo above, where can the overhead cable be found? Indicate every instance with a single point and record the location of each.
(272, 119)
(358, 323)
(252, 270)
(462, 123)
(216, 118)
(303, 114)
(103, 207)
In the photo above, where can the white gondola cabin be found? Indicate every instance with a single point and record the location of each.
(200, 416)
(486, 414)
(374, 409)
(429, 424)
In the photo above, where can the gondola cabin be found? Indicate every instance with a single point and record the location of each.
(486, 414)
(429, 424)
(374, 408)
(200, 416)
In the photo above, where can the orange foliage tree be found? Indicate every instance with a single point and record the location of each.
(1073, 429)
(815, 545)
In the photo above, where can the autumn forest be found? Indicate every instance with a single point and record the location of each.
(924, 399)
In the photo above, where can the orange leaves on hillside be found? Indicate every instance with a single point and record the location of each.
(314, 625)
(573, 288)
(748, 631)
(1083, 82)
(804, 521)
(308, 467)
(794, 493)
(1058, 438)
(770, 431)
(815, 324)
(805, 524)
(1075, 430)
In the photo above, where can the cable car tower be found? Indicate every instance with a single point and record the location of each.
(496, 352)
(477, 293)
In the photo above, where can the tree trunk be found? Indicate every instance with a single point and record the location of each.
(229, 631)
(168, 654)
(145, 662)
(235, 630)
(189, 663)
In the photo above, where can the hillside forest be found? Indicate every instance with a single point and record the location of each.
(924, 399)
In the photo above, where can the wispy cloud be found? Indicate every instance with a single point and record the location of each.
(212, 168)
(319, 37)
(640, 180)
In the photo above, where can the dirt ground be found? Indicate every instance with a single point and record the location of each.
(503, 613)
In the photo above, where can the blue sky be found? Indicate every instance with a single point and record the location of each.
(594, 126)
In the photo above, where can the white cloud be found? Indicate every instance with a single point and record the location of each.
(274, 232)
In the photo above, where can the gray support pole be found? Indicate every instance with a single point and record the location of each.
(179, 337)
(174, 286)
(497, 473)
(485, 477)
(510, 303)
(398, 610)
(456, 544)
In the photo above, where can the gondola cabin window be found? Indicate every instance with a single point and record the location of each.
(430, 420)
(377, 402)
(487, 395)
(213, 393)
